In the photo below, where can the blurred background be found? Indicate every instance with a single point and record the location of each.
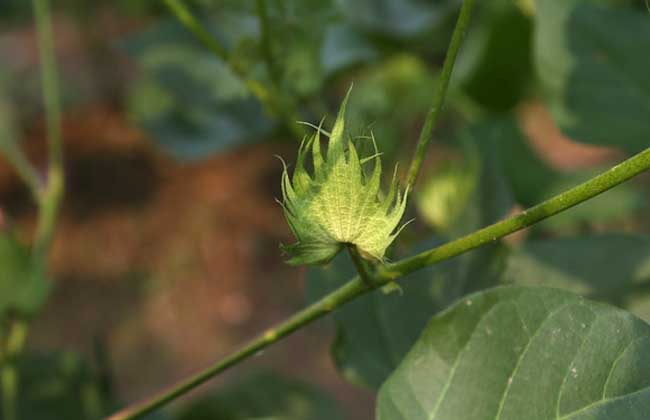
(166, 254)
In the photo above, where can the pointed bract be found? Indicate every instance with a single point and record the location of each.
(339, 204)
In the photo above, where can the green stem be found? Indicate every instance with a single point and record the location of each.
(267, 97)
(52, 194)
(357, 287)
(441, 91)
(361, 267)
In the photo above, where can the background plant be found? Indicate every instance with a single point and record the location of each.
(258, 68)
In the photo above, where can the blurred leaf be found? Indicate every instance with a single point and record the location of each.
(389, 98)
(189, 100)
(397, 18)
(524, 353)
(609, 267)
(344, 47)
(465, 194)
(298, 32)
(597, 80)
(23, 286)
(495, 63)
(443, 196)
(375, 331)
(528, 176)
(263, 396)
(532, 180)
(57, 386)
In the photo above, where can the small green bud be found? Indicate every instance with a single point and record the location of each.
(339, 203)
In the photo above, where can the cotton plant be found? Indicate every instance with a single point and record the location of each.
(340, 203)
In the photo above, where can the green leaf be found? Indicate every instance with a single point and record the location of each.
(524, 353)
(339, 203)
(596, 80)
(263, 396)
(23, 286)
(56, 386)
(375, 331)
(609, 267)
(187, 99)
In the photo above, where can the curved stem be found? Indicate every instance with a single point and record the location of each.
(441, 91)
(356, 287)
(361, 267)
(50, 198)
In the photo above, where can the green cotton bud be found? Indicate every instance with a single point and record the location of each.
(339, 204)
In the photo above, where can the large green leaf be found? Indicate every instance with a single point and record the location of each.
(23, 286)
(264, 396)
(375, 331)
(524, 353)
(594, 61)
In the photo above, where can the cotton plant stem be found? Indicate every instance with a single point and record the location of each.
(357, 287)
(52, 194)
(265, 96)
(441, 91)
(361, 266)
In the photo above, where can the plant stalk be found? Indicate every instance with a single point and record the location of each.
(361, 266)
(441, 91)
(357, 287)
(52, 194)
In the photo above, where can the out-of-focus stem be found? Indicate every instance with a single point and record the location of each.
(52, 194)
